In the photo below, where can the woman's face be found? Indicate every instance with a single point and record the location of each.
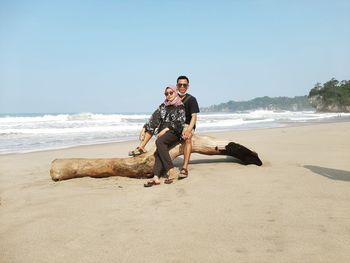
(170, 94)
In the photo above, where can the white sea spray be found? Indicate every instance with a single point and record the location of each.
(34, 132)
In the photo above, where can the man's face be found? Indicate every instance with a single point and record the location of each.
(182, 85)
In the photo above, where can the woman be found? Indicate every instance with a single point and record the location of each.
(168, 121)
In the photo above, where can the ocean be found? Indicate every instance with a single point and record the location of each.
(21, 133)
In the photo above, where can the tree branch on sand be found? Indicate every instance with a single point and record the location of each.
(141, 166)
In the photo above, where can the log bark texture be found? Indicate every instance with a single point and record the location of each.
(142, 165)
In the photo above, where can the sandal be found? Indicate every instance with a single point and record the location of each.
(172, 176)
(183, 173)
(169, 180)
(151, 183)
(136, 152)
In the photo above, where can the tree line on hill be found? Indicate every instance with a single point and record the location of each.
(332, 96)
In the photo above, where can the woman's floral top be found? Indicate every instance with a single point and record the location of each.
(172, 117)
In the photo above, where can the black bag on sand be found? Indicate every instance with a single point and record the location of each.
(242, 153)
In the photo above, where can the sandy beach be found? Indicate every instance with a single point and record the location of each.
(294, 208)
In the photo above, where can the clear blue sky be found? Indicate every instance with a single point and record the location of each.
(117, 56)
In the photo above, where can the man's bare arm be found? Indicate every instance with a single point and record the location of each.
(188, 131)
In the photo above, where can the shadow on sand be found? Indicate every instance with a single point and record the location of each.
(227, 159)
(334, 174)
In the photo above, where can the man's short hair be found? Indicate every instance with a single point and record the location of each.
(182, 77)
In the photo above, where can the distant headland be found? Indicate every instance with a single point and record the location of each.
(332, 96)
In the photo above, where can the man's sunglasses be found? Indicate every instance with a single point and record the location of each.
(168, 93)
(182, 84)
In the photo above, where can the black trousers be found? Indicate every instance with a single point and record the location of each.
(163, 162)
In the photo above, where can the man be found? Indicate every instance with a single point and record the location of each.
(191, 108)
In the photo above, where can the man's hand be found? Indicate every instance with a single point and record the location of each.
(162, 132)
(187, 134)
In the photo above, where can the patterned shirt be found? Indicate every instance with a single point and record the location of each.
(172, 117)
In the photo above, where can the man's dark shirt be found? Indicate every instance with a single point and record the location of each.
(191, 106)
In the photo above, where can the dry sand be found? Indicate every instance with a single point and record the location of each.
(295, 208)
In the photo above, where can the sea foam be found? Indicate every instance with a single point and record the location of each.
(33, 132)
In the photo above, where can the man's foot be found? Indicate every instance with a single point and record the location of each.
(183, 173)
(137, 152)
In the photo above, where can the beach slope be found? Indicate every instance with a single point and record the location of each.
(294, 208)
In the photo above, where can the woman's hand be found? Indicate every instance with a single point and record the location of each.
(164, 131)
(142, 134)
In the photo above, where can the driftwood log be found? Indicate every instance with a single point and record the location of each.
(141, 166)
